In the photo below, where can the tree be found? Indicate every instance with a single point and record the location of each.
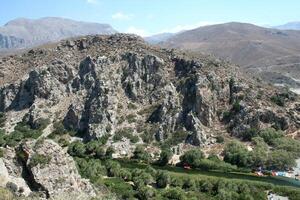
(113, 168)
(269, 134)
(146, 193)
(236, 153)
(109, 152)
(140, 154)
(100, 152)
(281, 160)
(162, 179)
(192, 157)
(174, 194)
(165, 156)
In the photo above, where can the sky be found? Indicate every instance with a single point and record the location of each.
(148, 17)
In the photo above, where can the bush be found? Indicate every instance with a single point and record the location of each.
(281, 160)
(131, 118)
(109, 152)
(140, 154)
(122, 189)
(113, 168)
(42, 160)
(162, 179)
(77, 148)
(2, 119)
(236, 153)
(220, 139)
(1, 153)
(279, 100)
(174, 194)
(165, 156)
(270, 134)
(192, 157)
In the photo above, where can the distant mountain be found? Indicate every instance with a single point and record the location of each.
(22, 33)
(273, 54)
(289, 26)
(155, 39)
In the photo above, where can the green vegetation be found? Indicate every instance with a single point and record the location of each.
(42, 160)
(281, 98)
(131, 118)
(1, 153)
(22, 131)
(2, 119)
(281, 156)
(175, 184)
(140, 154)
(5, 194)
(164, 157)
(175, 138)
(126, 133)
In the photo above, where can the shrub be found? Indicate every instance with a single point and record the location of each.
(109, 152)
(2, 119)
(279, 100)
(281, 160)
(236, 153)
(219, 139)
(113, 168)
(192, 157)
(42, 160)
(77, 148)
(174, 194)
(131, 118)
(269, 134)
(1, 153)
(162, 179)
(165, 156)
(140, 154)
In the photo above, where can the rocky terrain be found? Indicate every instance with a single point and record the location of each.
(24, 33)
(103, 86)
(268, 53)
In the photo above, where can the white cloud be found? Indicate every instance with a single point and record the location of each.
(122, 16)
(92, 1)
(138, 31)
(179, 28)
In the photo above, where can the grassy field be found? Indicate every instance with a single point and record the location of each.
(195, 173)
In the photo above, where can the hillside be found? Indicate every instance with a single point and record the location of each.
(289, 26)
(68, 109)
(24, 33)
(270, 53)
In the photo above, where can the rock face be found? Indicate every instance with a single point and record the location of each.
(90, 84)
(44, 167)
(59, 175)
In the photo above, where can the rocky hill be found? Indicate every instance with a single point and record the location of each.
(120, 88)
(268, 53)
(24, 33)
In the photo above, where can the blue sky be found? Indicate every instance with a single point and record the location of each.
(147, 17)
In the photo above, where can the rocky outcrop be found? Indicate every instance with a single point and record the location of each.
(90, 83)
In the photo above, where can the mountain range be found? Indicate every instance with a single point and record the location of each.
(24, 33)
(271, 54)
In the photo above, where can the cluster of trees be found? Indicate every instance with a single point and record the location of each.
(196, 159)
(21, 132)
(92, 149)
(280, 155)
(149, 183)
